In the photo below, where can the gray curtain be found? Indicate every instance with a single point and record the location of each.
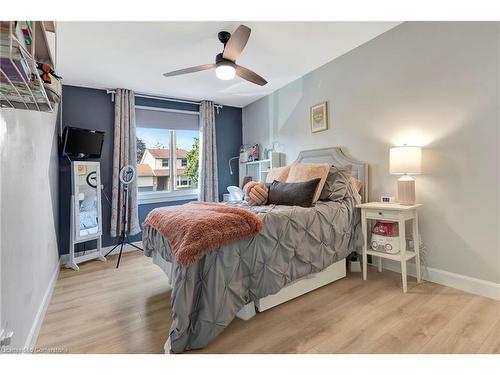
(124, 153)
(209, 191)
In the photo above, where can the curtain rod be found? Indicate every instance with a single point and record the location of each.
(147, 96)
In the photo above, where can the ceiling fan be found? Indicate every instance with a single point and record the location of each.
(225, 62)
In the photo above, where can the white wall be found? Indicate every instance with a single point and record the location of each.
(430, 84)
(29, 215)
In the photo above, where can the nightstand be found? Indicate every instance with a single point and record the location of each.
(395, 213)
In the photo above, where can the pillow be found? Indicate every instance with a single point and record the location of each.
(255, 193)
(336, 184)
(278, 174)
(356, 184)
(300, 172)
(293, 193)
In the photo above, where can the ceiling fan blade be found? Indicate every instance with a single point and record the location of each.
(193, 69)
(236, 43)
(250, 76)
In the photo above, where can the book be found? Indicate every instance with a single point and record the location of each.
(19, 34)
(20, 60)
(26, 31)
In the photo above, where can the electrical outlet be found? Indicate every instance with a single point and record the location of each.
(5, 337)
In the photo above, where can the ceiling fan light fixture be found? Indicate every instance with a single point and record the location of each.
(225, 72)
(225, 62)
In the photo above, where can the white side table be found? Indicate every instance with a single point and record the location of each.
(395, 213)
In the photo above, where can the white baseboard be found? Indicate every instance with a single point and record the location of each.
(454, 280)
(40, 315)
(126, 248)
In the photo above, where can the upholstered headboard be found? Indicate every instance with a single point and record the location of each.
(335, 156)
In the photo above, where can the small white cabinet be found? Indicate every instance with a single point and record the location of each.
(395, 213)
(85, 220)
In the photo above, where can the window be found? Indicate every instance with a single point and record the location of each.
(187, 154)
(161, 140)
(183, 182)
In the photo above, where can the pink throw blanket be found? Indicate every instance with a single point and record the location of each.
(194, 229)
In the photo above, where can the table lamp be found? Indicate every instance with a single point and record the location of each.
(405, 160)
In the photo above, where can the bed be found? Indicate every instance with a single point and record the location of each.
(300, 249)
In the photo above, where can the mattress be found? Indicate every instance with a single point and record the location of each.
(296, 242)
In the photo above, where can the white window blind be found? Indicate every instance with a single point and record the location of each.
(146, 117)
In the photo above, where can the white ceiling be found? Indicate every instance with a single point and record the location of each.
(134, 55)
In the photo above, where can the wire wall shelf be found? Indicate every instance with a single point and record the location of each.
(23, 44)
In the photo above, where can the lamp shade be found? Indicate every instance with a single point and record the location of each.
(405, 160)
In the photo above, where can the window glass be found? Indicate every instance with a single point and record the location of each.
(187, 153)
(154, 155)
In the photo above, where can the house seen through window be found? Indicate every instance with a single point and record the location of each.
(167, 159)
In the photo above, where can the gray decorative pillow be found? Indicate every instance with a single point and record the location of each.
(293, 193)
(336, 184)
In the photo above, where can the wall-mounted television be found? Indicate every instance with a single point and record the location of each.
(82, 143)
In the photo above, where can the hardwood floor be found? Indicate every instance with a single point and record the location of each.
(103, 310)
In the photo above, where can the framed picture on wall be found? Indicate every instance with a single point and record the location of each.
(319, 117)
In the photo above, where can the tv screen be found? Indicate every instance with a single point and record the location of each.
(82, 143)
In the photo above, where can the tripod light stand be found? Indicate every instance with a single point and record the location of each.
(127, 176)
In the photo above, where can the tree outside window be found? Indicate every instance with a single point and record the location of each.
(141, 147)
(192, 159)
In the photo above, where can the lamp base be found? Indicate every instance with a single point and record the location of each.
(406, 190)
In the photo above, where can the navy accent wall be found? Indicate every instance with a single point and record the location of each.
(93, 109)
(229, 140)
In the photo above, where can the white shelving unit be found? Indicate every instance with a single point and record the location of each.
(20, 83)
(258, 169)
